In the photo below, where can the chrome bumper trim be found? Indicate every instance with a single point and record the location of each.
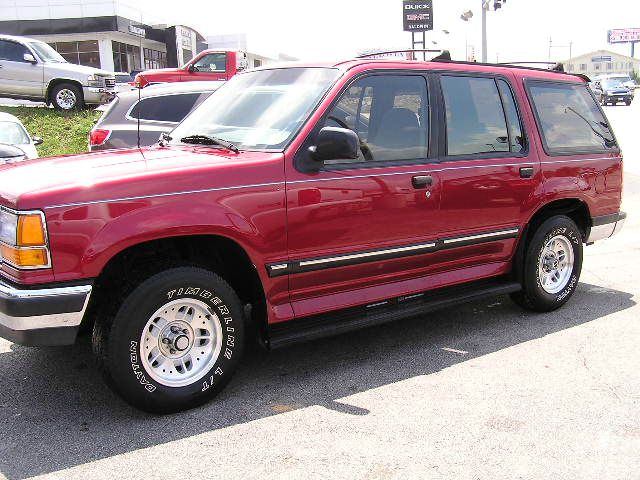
(606, 230)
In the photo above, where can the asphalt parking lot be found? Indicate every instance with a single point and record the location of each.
(481, 391)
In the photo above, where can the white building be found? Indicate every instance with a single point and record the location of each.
(601, 62)
(108, 34)
(238, 41)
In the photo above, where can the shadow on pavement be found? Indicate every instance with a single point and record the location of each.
(56, 413)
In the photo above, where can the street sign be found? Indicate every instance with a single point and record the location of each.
(623, 35)
(417, 15)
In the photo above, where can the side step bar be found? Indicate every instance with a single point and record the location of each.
(335, 323)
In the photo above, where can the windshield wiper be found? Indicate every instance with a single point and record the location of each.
(608, 142)
(207, 140)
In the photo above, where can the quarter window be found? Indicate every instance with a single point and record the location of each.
(166, 108)
(390, 115)
(516, 138)
(569, 119)
(475, 117)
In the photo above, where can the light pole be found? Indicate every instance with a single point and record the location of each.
(465, 17)
(485, 7)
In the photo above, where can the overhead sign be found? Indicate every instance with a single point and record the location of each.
(602, 58)
(623, 35)
(417, 15)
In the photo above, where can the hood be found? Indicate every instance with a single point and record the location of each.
(118, 174)
(79, 69)
(159, 71)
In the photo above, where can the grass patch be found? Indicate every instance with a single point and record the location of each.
(63, 133)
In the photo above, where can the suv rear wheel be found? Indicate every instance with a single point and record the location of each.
(175, 341)
(66, 97)
(552, 265)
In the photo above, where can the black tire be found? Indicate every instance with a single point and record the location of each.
(533, 296)
(117, 342)
(72, 91)
(628, 103)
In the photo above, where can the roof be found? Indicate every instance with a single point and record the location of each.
(18, 38)
(7, 117)
(172, 88)
(433, 65)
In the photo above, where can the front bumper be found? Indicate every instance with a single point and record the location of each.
(618, 98)
(605, 226)
(95, 95)
(46, 316)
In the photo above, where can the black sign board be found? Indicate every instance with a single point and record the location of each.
(417, 15)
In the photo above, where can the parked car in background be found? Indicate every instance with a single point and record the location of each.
(33, 70)
(611, 91)
(207, 65)
(623, 78)
(124, 81)
(159, 108)
(12, 132)
(11, 154)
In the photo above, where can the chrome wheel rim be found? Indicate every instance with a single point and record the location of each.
(66, 99)
(555, 264)
(181, 342)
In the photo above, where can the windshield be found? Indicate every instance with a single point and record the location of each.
(13, 134)
(613, 83)
(46, 53)
(259, 110)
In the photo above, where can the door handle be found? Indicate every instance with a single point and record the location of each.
(526, 172)
(421, 181)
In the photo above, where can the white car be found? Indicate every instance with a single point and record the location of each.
(12, 132)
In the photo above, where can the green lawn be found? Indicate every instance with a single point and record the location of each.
(62, 132)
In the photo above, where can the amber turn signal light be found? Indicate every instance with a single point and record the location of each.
(30, 231)
(36, 257)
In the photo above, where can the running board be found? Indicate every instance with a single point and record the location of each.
(335, 323)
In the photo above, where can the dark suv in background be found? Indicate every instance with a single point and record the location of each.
(159, 109)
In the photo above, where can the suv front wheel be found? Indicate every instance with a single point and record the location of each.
(66, 97)
(175, 341)
(552, 265)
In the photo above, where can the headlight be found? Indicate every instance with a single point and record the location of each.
(95, 81)
(23, 239)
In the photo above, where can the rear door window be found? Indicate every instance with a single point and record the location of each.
(569, 119)
(12, 51)
(165, 108)
(475, 117)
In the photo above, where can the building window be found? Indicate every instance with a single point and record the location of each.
(583, 67)
(126, 58)
(186, 55)
(609, 66)
(257, 63)
(154, 59)
(81, 53)
(570, 67)
(596, 66)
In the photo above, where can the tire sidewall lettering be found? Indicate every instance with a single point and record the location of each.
(575, 239)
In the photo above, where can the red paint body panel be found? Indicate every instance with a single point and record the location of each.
(99, 204)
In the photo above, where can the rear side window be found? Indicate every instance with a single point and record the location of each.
(166, 108)
(476, 121)
(517, 140)
(569, 119)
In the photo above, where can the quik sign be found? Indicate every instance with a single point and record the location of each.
(417, 15)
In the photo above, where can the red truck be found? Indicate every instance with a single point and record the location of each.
(303, 202)
(207, 65)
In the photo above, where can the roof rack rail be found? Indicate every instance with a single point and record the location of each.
(408, 50)
(557, 67)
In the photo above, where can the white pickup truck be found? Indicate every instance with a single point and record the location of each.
(32, 70)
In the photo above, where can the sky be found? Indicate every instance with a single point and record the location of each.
(338, 29)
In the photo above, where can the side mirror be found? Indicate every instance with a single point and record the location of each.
(37, 140)
(334, 143)
(192, 68)
(29, 58)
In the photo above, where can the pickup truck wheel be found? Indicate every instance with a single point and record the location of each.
(175, 341)
(552, 265)
(66, 97)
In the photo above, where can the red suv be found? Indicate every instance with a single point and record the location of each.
(303, 202)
